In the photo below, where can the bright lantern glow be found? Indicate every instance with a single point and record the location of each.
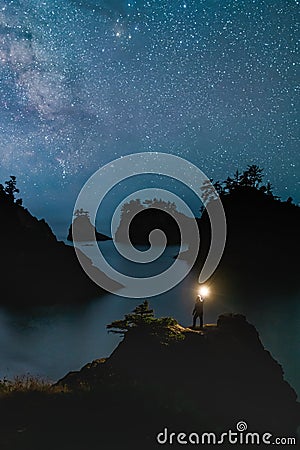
(204, 290)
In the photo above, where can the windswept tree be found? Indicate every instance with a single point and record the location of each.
(142, 319)
(141, 315)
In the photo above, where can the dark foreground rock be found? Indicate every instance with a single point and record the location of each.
(177, 380)
(197, 381)
(37, 269)
(262, 247)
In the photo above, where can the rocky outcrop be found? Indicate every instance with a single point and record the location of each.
(138, 221)
(37, 269)
(85, 231)
(192, 382)
(211, 378)
(262, 247)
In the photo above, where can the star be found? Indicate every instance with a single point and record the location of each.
(214, 82)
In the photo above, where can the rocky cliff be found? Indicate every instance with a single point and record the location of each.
(85, 231)
(196, 380)
(160, 381)
(35, 268)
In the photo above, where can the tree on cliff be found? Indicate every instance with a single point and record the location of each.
(252, 177)
(80, 212)
(140, 316)
(8, 192)
(249, 179)
(142, 319)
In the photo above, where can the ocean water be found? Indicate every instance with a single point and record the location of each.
(51, 341)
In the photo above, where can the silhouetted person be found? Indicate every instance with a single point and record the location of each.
(198, 311)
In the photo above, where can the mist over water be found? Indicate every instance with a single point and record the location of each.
(51, 341)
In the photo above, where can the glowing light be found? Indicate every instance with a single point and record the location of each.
(204, 291)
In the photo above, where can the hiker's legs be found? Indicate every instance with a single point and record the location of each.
(201, 320)
(194, 321)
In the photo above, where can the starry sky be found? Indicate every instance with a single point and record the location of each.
(84, 82)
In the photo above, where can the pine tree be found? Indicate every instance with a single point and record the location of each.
(141, 315)
(8, 192)
(252, 177)
(80, 212)
(208, 191)
(142, 318)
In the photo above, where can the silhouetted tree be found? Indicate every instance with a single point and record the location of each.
(267, 189)
(290, 200)
(171, 206)
(252, 177)
(218, 187)
(8, 192)
(161, 204)
(229, 184)
(237, 177)
(11, 188)
(150, 202)
(81, 212)
(132, 207)
(232, 183)
(141, 315)
(2, 192)
(208, 191)
(142, 318)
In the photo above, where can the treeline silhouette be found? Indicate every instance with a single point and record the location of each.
(263, 241)
(140, 218)
(248, 181)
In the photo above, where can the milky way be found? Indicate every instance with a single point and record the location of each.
(83, 82)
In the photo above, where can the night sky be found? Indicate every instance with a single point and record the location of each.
(84, 82)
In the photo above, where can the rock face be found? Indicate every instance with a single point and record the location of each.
(179, 380)
(139, 220)
(85, 231)
(262, 248)
(200, 380)
(35, 267)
